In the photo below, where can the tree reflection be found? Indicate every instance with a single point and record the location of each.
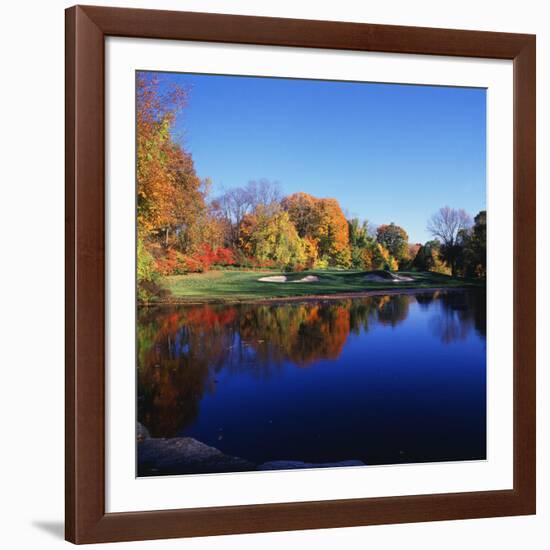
(393, 310)
(301, 333)
(182, 349)
(425, 299)
(178, 356)
(459, 313)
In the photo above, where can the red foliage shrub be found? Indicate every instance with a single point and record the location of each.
(206, 257)
(259, 263)
(195, 265)
(172, 262)
(224, 256)
(166, 264)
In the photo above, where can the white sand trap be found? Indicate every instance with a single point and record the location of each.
(284, 279)
(273, 279)
(394, 278)
(308, 279)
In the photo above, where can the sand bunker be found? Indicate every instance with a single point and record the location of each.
(308, 279)
(284, 279)
(273, 279)
(393, 279)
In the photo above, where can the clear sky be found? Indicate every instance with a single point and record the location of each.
(387, 152)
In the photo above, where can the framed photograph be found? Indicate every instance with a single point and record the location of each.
(300, 274)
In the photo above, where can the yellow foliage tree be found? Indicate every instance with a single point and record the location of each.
(268, 235)
(323, 221)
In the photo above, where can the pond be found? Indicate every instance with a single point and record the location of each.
(390, 379)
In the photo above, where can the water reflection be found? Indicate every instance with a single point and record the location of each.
(183, 350)
(458, 314)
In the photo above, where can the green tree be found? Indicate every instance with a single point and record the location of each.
(428, 258)
(359, 239)
(146, 272)
(358, 233)
(473, 257)
(395, 240)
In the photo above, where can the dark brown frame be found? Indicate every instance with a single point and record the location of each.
(86, 29)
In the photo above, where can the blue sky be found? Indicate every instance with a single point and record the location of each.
(387, 152)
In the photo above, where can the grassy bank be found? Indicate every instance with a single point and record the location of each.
(233, 285)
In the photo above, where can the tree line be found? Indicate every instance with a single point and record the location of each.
(182, 228)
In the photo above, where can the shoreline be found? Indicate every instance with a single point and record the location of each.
(305, 298)
(157, 456)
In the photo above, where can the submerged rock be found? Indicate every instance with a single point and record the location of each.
(185, 455)
(295, 464)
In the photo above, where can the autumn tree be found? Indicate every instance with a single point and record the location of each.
(383, 258)
(424, 260)
(333, 233)
(234, 205)
(428, 258)
(394, 239)
(412, 252)
(376, 256)
(270, 235)
(170, 195)
(237, 202)
(168, 188)
(446, 225)
(209, 228)
(323, 221)
(303, 213)
(311, 252)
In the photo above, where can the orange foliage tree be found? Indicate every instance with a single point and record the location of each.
(324, 224)
(169, 194)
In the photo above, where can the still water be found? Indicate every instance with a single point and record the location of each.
(385, 379)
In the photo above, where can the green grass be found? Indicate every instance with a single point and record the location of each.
(232, 285)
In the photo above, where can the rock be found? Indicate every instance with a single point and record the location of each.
(142, 432)
(296, 464)
(185, 455)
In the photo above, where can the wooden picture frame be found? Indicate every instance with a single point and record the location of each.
(86, 30)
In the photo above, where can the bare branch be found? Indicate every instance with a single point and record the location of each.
(446, 224)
